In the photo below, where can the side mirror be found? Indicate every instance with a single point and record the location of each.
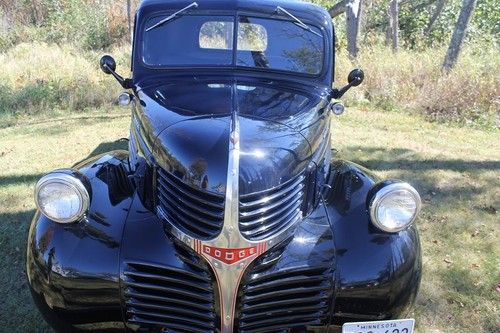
(355, 78)
(108, 66)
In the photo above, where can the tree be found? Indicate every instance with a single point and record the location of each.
(434, 17)
(353, 19)
(129, 19)
(338, 8)
(459, 34)
(353, 10)
(394, 24)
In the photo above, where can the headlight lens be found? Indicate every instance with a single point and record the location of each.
(394, 207)
(62, 197)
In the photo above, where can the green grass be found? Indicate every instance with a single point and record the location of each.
(455, 169)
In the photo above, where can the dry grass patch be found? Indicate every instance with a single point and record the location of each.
(413, 80)
(39, 78)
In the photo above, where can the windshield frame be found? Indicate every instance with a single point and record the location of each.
(234, 67)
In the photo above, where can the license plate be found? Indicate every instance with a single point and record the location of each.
(383, 326)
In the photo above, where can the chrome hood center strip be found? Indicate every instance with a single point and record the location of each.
(229, 254)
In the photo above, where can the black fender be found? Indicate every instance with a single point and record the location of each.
(377, 274)
(73, 269)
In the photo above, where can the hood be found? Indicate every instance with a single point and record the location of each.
(190, 125)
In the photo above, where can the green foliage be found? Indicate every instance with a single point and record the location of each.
(486, 21)
(414, 18)
(77, 20)
(90, 24)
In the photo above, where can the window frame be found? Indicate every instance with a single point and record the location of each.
(236, 19)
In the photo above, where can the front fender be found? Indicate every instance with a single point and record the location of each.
(73, 269)
(378, 274)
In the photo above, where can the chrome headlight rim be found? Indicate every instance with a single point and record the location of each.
(72, 179)
(384, 189)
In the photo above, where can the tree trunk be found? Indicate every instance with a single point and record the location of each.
(353, 19)
(394, 24)
(129, 19)
(338, 8)
(434, 17)
(459, 34)
(366, 16)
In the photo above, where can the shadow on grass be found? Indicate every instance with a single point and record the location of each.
(121, 144)
(18, 310)
(390, 159)
(409, 165)
(459, 213)
(13, 122)
(20, 179)
(436, 179)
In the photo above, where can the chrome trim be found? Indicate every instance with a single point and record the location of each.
(337, 108)
(124, 99)
(291, 199)
(287, 188)
(62, 177)
(229, 274)
(382, 193)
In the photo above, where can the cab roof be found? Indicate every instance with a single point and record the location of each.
(304, 10)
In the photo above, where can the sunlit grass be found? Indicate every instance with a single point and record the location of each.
(457, 171)
(26, 153)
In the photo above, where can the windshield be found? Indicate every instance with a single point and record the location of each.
(195, 40)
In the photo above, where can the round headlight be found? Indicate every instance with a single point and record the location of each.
(394, 207)
(62, 197)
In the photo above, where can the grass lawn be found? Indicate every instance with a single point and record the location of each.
(456, 170)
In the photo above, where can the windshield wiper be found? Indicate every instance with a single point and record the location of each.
(297, 21)
(174, 15)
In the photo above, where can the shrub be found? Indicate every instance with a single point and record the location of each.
(91, 24)
(39, 77)
(413, 80)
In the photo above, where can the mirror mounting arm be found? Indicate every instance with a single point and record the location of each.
(125, 83)
(338, 93)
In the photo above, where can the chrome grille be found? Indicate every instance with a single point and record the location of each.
(195, 212)
(285, 299)
(264, 214)
(169, 298)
